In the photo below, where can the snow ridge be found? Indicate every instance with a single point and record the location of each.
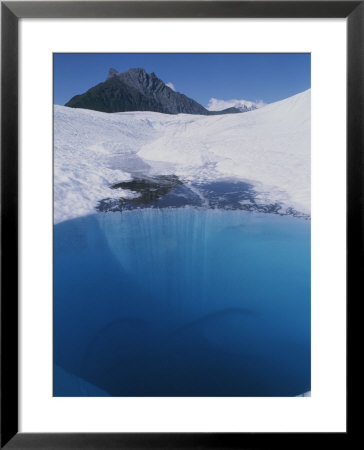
(267, 147)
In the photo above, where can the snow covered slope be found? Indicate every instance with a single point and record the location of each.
(268, 147)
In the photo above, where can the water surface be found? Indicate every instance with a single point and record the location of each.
(182, 302)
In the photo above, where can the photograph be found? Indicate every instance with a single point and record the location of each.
(182, 224)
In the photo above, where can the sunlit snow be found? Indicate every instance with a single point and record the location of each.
(267, 147)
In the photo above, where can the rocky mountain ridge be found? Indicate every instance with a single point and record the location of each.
(136, 90)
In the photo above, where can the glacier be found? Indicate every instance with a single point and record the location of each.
(269, 148)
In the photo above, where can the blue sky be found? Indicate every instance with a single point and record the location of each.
(266, 77)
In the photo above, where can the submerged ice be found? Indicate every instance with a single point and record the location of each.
(168, 191)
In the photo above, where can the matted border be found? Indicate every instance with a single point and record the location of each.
(11, 13)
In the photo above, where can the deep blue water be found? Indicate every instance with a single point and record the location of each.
(182, 302)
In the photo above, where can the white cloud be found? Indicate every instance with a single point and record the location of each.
(216, 104)
(171, 85)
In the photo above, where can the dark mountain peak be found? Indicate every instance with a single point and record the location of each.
(138, 70)
(137, 90)
(133, 73)
(139, 79)
(137, 73)
(112, 73)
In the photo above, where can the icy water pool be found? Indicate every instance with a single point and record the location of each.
(182, 302)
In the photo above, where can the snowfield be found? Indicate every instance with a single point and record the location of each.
(268, 147)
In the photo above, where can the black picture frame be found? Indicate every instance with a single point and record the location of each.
(11, 12)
